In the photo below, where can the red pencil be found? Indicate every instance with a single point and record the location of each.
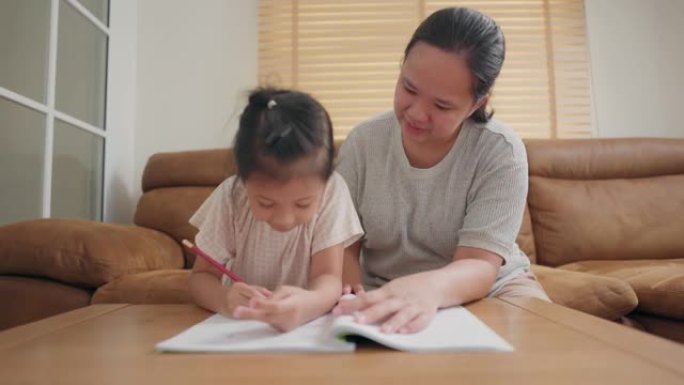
(211, 260)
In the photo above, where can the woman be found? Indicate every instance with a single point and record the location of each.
(439, 186)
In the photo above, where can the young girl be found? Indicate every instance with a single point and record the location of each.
(282, 222)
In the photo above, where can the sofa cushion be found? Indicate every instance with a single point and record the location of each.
(607, 219)
(525, 239)
(83, 253)
(659, 284)
(161, 286)
(606, 199)
(603, 297)
(168, 210)
(188, 168)
(660, 326)
(30, 299)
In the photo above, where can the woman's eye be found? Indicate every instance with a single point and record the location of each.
(442, 108)
(303, 206)
(266, 205)
(410, 90)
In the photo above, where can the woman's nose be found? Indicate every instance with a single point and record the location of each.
(417, 112)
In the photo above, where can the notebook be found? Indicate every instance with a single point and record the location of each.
(453, 329)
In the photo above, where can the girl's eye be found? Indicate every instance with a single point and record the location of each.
(303, 206)
(442, 108)
(266, 205)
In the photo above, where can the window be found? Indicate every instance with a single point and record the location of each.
(52, 108)
(347, 53)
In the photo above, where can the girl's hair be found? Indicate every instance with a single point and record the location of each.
(470, 33)
(279, 127)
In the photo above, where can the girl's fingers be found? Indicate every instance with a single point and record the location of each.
(264, 292)
(244, 312)
(248, 291)
(356, 289)
(281, 293)
(362, 301)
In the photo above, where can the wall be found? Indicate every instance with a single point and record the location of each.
(637, 64)
(120, 186)
(196, 61)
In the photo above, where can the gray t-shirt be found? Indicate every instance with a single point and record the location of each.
(415, 218)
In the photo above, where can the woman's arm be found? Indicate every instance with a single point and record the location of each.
(291, 306)
(411, 301)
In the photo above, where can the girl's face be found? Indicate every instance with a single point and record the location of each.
(433, 95)
(284, 205)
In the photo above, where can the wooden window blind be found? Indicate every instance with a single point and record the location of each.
(347, 53)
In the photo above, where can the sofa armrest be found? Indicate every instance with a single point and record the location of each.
(84, 253)
(604, 297)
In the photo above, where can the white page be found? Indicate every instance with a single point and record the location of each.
(220, 334)
(453, 329)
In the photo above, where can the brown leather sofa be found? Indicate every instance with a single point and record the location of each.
(604, 226)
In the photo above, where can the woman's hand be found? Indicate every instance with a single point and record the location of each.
(404, 305)
(239, 294)
(409, 303)
(284, 310)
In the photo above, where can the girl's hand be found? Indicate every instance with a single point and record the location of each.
(284, 310)
(353, 289)
(239, 294)
(404, 305)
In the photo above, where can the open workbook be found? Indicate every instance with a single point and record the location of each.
(453, 329)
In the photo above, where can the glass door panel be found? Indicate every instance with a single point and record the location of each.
(22, 148)
(77, 170)
(81, 67)
(99, 9)
(24, 38)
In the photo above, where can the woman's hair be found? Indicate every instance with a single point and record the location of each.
(470, 33)
(279, 127)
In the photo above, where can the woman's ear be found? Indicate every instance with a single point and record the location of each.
(482, 102)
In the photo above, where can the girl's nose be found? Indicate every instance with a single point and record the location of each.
(282, 221)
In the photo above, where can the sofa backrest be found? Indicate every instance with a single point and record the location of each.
(606, 199)
(591, 199)
(175, 185)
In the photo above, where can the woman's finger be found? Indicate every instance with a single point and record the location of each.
(400, 319)
(418, 323)
(379, 311)
(358, 289)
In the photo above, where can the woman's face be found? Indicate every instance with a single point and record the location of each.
(433, 95)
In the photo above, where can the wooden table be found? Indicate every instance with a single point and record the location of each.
(105, 344)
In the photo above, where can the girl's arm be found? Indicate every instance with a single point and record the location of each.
(351, 269)
(411, 301)
(208, 291)
(291, 306)
(325, 279)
